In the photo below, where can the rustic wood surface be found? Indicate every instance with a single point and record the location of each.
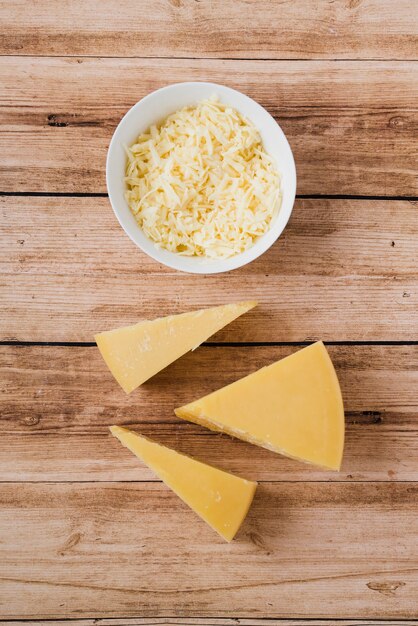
(351, 124)
(343, 270)
(288, 29)
(126, 548)
(88, 536)
(234, 621)
(62, 430)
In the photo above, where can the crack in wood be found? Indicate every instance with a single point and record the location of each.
(385, 588)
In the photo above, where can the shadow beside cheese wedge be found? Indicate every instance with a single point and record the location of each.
(221, 499)
(293, 407)
(136, 353)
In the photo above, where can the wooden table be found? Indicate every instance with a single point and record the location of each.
(85, 530)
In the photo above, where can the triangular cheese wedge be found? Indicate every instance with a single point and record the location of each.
(293, 407)
(221, 499)
(135, 353)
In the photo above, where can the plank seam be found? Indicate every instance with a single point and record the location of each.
(301, 620)
(260, 482)
(64, 194)
(215, 58)
(220, 344)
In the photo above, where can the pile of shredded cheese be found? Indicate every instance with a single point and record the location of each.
(201, 183)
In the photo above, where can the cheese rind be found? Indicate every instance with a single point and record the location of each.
(221, 499)
(136, 353)
(293, 407)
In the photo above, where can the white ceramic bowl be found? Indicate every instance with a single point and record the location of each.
(153, 109)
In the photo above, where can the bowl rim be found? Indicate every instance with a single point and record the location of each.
(203, 265)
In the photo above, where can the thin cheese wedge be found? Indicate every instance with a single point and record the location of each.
(135, 353)
(293, 407)
(221, 499)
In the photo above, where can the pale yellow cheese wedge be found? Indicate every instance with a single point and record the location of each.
(135, 353)
(293, 407)
(221, 499)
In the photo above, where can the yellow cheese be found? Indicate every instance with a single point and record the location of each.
(293, 407)
(221, 499)
(201, 184)
(135, 353)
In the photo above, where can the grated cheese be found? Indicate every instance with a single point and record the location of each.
(201, 183)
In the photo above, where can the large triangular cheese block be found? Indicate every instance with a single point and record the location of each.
(293, 407)
(221, 499)
(135, 353)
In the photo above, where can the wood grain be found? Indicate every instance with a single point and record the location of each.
(184, 621)
(351, 125)
(342, 270)
(80, 550)
(182, 28)
(58, 402)
(86, 532)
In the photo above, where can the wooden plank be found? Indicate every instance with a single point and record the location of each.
(78, 550)
(342, 270)
(351, 124)
(57, 403)
(235, 621)
(182, 28)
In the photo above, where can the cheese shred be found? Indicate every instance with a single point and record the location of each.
(201, 183)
